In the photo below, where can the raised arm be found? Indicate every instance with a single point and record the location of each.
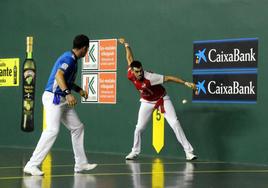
(129, 54)
(180, 81)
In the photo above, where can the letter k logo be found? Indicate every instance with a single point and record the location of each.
(200, 55)
(200, 87)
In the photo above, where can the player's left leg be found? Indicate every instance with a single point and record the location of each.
(48, 137)
(71, 120)
(144, 115)
(174, 123)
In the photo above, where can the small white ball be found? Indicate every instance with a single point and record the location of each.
(184, 101)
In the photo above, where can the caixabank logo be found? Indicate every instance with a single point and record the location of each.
(200, 56)
(225, 71)
(229, 53)
(226, 88)
(215, 88)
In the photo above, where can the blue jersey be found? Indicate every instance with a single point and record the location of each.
(67, 62)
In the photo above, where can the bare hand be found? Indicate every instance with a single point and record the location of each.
(83, 94)
(122, 41)
(71, 100)
(191, 85)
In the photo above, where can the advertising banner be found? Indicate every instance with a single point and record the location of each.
(101, 56)
(101, 87)
(225, 71)
(9, 72)
(229, 53)
(99, 71)
(226, 88)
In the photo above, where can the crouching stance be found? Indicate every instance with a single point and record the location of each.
(153, 96)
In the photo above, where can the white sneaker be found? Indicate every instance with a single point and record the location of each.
(84, 167)
(33, 170)
(132, 156)
(190, 156)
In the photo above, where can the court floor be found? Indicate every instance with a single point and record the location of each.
(114, 172)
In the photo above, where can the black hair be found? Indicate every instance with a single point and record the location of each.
(80, 41)
(135, 64)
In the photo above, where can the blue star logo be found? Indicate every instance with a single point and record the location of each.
(200, 55)
(200, 87)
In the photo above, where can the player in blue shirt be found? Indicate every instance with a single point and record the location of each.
(67, 62)
(58, 102)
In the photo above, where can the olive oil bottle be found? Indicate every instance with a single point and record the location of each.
(28, 87)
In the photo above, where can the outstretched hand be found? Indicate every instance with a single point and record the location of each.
(191, 85)
(121, 40)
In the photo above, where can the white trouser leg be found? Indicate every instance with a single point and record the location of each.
(73, 123)
(49, 135)
(174, 123)
(145, 113)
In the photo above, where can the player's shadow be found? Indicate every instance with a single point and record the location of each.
(84, 181)
(181, 175)
(32, 181)
(80, 181)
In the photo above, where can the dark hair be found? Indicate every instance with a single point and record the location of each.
(80, 41)
(135, 64)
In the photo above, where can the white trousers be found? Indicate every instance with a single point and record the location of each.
(145, 113)
(55, 115)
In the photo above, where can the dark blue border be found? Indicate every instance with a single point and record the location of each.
(224, 73)
(225, 69)
(224, 102)
(225, 40)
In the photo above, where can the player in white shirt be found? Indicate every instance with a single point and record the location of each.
(153, 95)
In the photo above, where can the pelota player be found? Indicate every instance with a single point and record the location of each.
(153, 95)
(58, 102)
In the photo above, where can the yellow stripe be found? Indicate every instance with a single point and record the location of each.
(44, 119)
(46, 168)
(46, 165)
(158, 130)
(158, 178)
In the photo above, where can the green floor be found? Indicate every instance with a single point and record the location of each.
(114, 172)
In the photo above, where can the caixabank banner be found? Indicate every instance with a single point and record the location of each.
(228, 53)
(226, 88)
(225, 71)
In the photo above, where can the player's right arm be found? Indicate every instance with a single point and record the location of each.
(129, 54)
(63, 86)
